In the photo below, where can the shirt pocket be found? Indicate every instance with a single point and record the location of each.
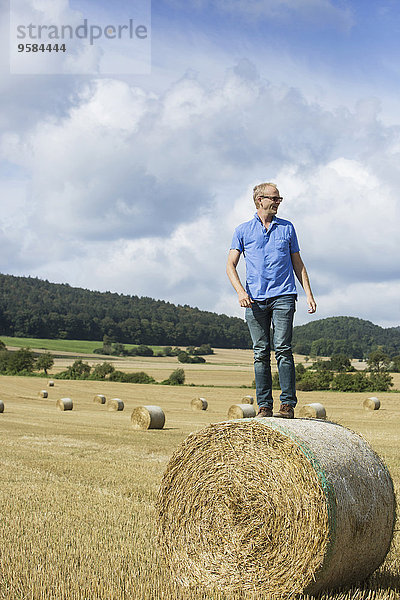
(282, 245)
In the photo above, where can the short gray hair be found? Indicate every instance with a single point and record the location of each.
(258, 189)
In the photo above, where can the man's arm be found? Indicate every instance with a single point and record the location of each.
(302, 276)
(233, 259)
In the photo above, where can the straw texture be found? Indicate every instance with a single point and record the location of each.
(314, 410)
(241, 411)
(278, 508)
(247, 400)
(43, 394)
(147, 417)
(199, 404)
(1, 406)
(65, 404)
(115, 404)
(99, 399)
(371, 404)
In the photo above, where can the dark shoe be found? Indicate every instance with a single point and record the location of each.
(265, 411)
(285, 412)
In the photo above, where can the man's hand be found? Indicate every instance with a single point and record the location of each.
(233, 259)
(312, 305)
(245, 300)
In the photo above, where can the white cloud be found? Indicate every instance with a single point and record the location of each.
(140, 193)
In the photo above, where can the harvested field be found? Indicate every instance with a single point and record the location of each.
(84, 483)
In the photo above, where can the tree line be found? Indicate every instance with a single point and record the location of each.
(31, 307)
(339, 375)
(356, 338)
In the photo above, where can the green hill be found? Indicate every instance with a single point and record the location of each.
(31, 307)
(350, 335)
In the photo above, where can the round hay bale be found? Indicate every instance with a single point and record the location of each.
(43, 394)
(248, 400)
(148, 417)
(241, 411)
(99, 399)
(199, 404)
(64, 404)
(315, 410)
(371, 404)
(50, 384)
(1, 406)
(275, 508)
(115, 404)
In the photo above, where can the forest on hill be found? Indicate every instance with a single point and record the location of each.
(348, 335)
(31, 307)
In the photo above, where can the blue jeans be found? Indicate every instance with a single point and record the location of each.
(278, 311)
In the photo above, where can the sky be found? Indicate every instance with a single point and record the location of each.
(129, 169)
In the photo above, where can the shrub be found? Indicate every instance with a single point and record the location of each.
(177, 377)
(380, 382)
(3, 361)
(319, 380)
(349, 382)
(142, 350)
(184, 357)
(101, 371)
(378, 361)
(197, 359)
(395, 364)
(139, 377)
(300, 370)
(21, 360)
(45, 362)
(203, 349)
(78, 370)
(117, 376)
(321, 365)
(340, 362)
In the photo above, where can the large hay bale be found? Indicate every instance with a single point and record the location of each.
(1, 406)
(371, 404)
(241, 411)
(51, 384)
(199, 404)
(315, 410)
(147, 417)
(275, 508)
(99, 399)
(248, 400)
(65, 404)
(115, 404)
(43, 394)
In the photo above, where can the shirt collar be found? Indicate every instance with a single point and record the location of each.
(274, 219)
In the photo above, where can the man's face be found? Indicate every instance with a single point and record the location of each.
(269, 200)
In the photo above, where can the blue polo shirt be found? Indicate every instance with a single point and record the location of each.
(269, 269)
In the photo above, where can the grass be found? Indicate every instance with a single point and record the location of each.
(74, 346)
(78, 489)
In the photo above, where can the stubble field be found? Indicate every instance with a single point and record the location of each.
(78, 489)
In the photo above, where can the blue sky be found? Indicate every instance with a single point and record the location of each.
(134, 183)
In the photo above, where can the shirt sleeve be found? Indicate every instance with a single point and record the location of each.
(294, 244)
(237, 241)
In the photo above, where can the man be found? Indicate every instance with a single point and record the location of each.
(269, 245)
